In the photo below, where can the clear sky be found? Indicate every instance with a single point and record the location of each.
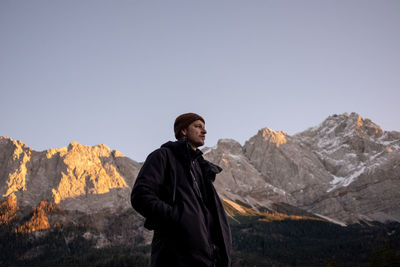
(120, 72)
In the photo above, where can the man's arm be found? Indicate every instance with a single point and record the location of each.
(146, 191)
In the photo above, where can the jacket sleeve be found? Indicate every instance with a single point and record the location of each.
(145, 197)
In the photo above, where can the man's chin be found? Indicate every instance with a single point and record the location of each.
(198, 144)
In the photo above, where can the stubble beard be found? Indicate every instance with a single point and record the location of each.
(196, 144)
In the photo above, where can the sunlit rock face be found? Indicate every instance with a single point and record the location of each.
(14, 157)
(78, 185)
(72, 176)
(8, 209)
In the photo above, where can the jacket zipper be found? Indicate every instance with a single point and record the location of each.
(204, 208)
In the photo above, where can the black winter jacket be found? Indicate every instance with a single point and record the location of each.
(164, 194)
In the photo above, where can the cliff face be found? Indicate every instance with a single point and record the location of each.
(67, 187)
(287, 164)
(72, 176)
(14, 156)
(240, 181)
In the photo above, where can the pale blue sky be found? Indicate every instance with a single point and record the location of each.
(119, 72)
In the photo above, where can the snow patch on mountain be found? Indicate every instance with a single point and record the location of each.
(345, 181)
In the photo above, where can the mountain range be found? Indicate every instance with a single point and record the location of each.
(345, 170)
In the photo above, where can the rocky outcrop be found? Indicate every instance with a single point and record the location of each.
(8, 210)
(14, 156)
(39, 220)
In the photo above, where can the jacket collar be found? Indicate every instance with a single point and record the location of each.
(210, 169)
(180, 149)
(185, 153)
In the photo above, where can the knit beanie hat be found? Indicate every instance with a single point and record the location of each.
(183, 121)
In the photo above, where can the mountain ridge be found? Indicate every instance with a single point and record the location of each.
(320, 192)
(345, 168)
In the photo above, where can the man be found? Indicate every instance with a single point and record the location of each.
(175, 194)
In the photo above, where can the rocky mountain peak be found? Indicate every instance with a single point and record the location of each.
(229, 146)
(100, 149)
(16, 143)
(363, 126)
(275, 137)
(348, 125)
(350, 135)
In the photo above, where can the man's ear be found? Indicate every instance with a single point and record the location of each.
(183, 132)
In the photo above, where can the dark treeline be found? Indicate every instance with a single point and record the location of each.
(315, 243)
(52, 249)
(256, 243)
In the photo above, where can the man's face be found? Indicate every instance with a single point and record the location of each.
(195, 133)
